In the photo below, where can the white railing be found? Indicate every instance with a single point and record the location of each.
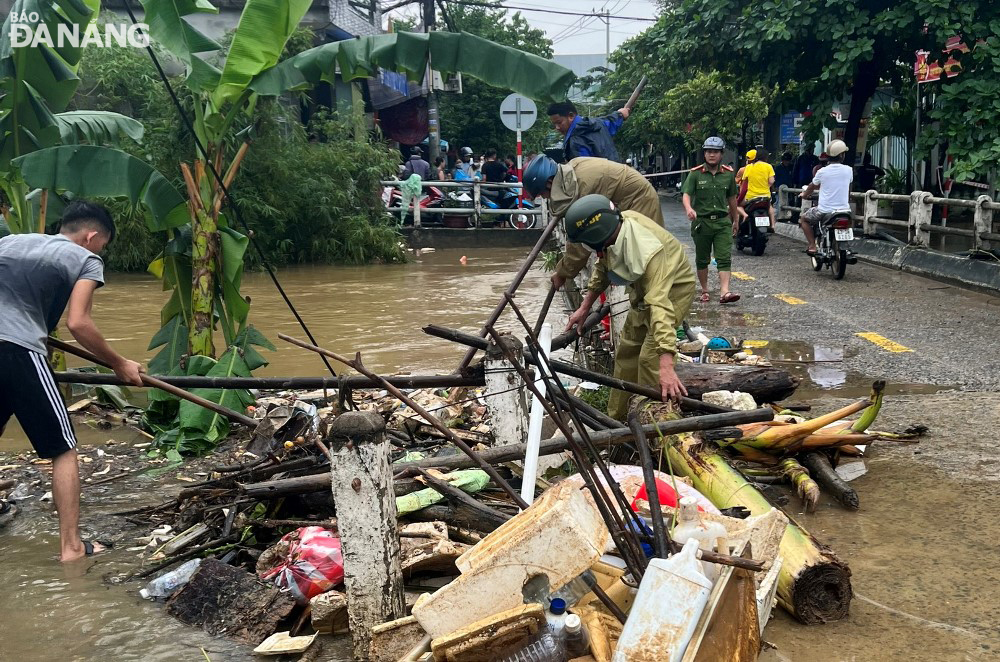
(920, 207)
(477, 210)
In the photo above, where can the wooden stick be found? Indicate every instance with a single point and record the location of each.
(545, 309)
(635, 93)
(460, 498)
(162, 385)
(660, 540)
(427, 416)
(823, 473)
(43, 208)
(355, 382)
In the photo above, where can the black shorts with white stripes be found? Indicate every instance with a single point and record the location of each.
(28, 391)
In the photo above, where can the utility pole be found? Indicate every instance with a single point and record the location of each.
(434, 126)
(607, 37)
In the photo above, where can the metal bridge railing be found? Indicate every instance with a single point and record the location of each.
(477, 210)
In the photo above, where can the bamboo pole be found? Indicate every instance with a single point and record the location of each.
(282, 383)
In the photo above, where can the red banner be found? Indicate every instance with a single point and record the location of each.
(927, 70)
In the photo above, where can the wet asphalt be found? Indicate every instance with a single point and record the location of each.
(938, 334)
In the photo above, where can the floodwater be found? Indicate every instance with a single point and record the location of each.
(922, 548)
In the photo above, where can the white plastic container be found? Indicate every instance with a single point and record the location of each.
(708, 534)
(672, 595)
(164, 585)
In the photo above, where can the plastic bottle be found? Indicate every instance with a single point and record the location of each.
(556, 617)
(164, 585)
(653, 631)
(708, 534)
(576, 588)
(576, 640)
(547, 648)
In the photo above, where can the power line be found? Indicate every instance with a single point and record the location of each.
(472, 3)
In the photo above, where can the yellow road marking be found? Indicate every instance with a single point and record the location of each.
(884, 343)
(739, 275)
(755, 343)
(789, 299)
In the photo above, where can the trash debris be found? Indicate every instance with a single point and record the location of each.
(282, 643)
(165, 585)
(306, 562)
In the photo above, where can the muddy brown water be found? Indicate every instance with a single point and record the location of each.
(922, 549)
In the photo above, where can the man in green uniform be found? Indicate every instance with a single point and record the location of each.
(636, 251)
(710, 203)
(564, 184)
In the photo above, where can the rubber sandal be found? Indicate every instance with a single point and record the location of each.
(705, 297)
(88, 548)
(729, 297)
(811, 253)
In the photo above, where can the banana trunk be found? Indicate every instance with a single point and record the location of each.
(786, 437)
(806, 487)
(814, 585)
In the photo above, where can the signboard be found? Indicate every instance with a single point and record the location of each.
(927, 70)
(518, 112)
(791, 128)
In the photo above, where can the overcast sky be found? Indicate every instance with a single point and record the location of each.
(584, 34)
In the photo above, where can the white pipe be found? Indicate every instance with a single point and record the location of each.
(535, 425)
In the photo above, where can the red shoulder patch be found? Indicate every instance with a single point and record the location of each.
(698, 168)
(726, 168)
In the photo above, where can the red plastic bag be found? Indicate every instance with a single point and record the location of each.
(307, 562)
(666, 493)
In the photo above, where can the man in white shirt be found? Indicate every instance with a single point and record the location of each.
(834, 184)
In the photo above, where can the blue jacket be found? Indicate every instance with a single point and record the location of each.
(592, 137)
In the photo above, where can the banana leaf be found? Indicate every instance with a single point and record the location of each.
(97, 127)
(408, 52)
(170, 26)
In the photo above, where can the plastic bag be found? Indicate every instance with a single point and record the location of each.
(410, 188)
(307, 562)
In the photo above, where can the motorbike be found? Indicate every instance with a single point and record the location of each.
(506, 198)
(834, 231)
(432, 197)
(752, 232)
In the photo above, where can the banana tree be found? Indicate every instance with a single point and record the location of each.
(36, 84)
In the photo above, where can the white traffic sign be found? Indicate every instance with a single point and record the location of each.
(518, 112)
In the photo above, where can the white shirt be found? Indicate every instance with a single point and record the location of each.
(834, 182)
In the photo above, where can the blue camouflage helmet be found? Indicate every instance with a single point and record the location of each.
(537, 174)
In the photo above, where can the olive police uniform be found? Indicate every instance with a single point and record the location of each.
(712, 230)
(660, 299)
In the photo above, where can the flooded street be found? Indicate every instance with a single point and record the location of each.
(921, 549)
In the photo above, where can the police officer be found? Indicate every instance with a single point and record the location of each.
(638, 252)
(563, 184)
(710, 203)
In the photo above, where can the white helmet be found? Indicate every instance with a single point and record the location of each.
(836, 148)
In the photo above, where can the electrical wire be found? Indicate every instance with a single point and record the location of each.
(224, 189)
(472, 3)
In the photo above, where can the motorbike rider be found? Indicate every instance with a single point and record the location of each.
(834, 183)
(465, 163)
(563, 184)
(710, 203)
(635, 251)
(759, 176)
(586, 136)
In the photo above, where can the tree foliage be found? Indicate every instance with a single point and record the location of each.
(472, 118)
(709, 104)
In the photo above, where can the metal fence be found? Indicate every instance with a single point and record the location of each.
(917, 225)
(477, 210)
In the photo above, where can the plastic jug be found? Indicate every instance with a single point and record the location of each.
(708, 534)
(672, 595)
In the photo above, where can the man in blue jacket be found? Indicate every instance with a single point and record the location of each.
(586, 136)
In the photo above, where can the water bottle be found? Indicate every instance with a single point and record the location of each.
(164, 585)
(576, 639)
(547, 648)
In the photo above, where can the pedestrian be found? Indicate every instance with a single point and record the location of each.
(511, 164)
(585, 136)
(439, 169)
(40, 277)
(710, 203)
(465, 163)
(804, 165)
(564, 184)
(493, 171)
(784, 175)
(635, 251)
(866, 174)
(834, 184)
(416, 165)
(760, 177)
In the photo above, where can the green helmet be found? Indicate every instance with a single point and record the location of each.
(592, 220)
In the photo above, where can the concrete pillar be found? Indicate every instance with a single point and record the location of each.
(871, 211)
(416, 211)
(920, 213)
(477, 202)
(780, 210)
(983, 222)
(366, 516)
(505, 398)
(618, 298)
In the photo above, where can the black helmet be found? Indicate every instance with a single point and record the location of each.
(537, 174)
(465, 151)
(592, 220)
(415, 151)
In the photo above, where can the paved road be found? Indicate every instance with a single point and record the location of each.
(926, 332)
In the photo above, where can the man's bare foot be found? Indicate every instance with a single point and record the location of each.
(81, 550)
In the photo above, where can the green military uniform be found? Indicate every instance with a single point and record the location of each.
(660, 299)
(621, 184)
(713, 229)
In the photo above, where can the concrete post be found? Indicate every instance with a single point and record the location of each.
(477, 202)
(505, 399)
(983, 222)
(416, 210)
(779, 210)
(920, 213)
(618, 298)
(366, 516)
(871, 211)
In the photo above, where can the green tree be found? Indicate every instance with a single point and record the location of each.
(472, 118)
(710, 104)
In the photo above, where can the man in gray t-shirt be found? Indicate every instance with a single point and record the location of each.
(42, 276)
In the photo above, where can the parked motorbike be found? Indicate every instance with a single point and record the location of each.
(506, 198)
(752, 232)
(832, 236)
(431, 198)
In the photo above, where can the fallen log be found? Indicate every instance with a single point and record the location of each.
(282, 487)
(814, 585)
(823, 473)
